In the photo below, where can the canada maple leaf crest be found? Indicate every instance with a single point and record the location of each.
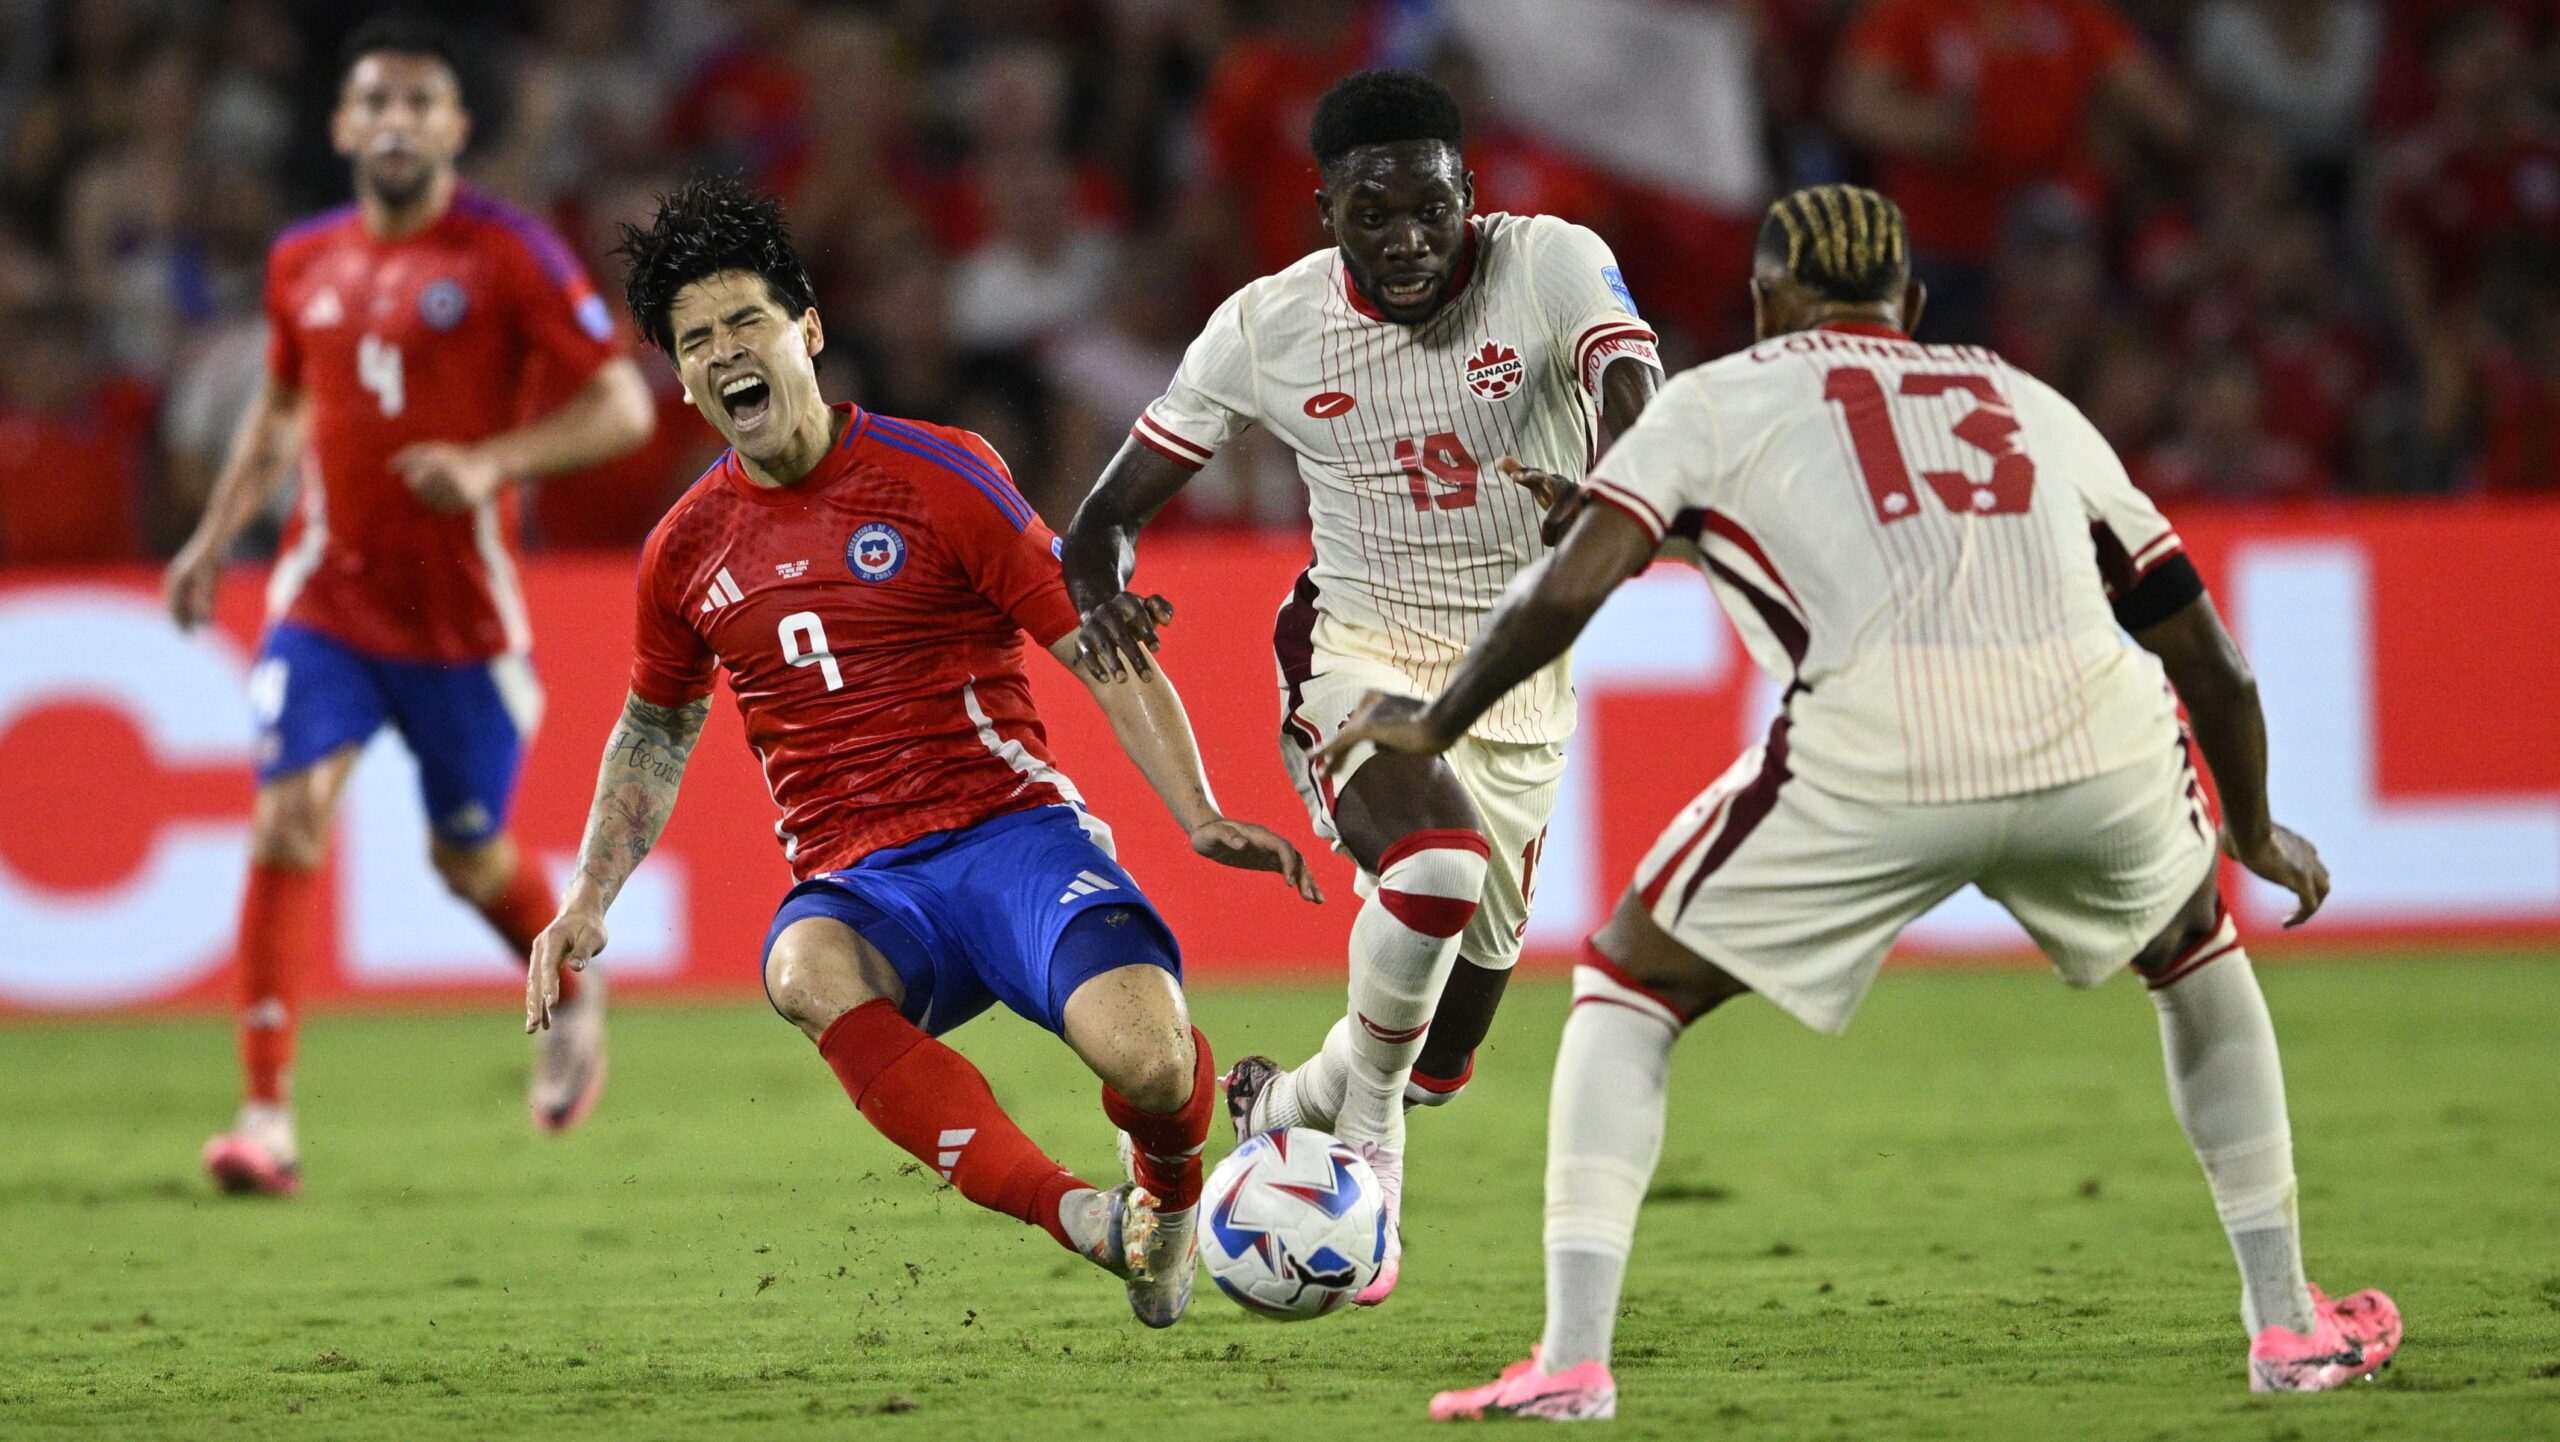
(1495, 371)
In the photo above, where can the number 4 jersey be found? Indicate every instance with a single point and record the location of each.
(455, 333)
(1397, 428)
(1919, 542)
(870, 618)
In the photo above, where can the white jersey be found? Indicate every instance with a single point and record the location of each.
(1396, 430)
(1918, 540)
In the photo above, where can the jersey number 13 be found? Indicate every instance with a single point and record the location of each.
(1990, 427)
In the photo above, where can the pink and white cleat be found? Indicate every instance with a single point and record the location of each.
(1584, 1392)
(257, 1155)
(1388, 1163)
(2351, 1337)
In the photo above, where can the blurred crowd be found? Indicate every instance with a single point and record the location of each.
(2278, 249)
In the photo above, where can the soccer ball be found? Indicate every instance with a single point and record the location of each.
(1292, 1224)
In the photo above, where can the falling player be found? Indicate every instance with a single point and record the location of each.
(865, 582)
(1922, 543)
(405, 331)
(1425, 340)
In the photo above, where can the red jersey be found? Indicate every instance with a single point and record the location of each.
(431, 337)
(870, 618)
(2027, 72)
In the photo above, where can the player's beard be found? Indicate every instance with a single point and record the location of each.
(397, 192)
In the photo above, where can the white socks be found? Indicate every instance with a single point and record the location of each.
(1403, 943)
(2227, 1086)
(1604, 1135)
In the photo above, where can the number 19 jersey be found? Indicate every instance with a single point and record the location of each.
(1919, 541)
(1396, 430)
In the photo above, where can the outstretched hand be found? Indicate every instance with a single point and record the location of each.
(1248, 847)
(1560, 499)
(2285, 858)
(573, 939)
(1388, 722)
(1118, 635)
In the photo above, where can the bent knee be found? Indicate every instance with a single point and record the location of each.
(289, 828)
(1433, 880)
(1160, 1079)
(818, 971)
(475, 873)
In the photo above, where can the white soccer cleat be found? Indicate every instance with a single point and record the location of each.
(1112, 1228)
(1173, 1256)
(568, 1059)
(258, 1155)
(1388, 1163)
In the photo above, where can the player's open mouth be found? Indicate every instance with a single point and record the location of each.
(1407, 290)
(746, 399)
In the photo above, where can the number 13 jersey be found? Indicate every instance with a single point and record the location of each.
(1396, 430)
(1919, 541)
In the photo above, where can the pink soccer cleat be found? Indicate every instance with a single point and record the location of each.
(1245, 1085)
(258, 1155)
(1388, 1163)
(2351, 1337)
(1584, 1392)
(569, 1059)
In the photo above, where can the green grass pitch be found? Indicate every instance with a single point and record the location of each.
(1971, 1218)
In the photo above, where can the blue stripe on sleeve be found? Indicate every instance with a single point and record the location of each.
(958, 460)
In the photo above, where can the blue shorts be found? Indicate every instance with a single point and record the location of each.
(467, 723)
(973, 917)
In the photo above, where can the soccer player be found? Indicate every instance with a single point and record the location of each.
(1425, 339)
(865, 582)
(1939, 557)
(406, 333)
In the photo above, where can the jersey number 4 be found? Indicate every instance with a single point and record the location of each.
(1991, 427)
(1438, 472)
(378, 370)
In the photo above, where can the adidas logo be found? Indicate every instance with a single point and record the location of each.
(952, 1142)
(1086, 884)
(724, 589)
(323, 311)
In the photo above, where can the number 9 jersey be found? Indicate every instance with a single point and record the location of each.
(458, 332)
(1920, 542)
(870, 618)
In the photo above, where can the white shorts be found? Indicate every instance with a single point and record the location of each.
(1513, 787)
(1798, 892)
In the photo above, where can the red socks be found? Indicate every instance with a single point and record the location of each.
(280, 917)
(1168, 1146)
(929, 1100)
(521, 911)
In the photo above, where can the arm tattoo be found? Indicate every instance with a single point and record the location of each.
(636, 788)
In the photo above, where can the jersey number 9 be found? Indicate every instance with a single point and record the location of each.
(804, 643)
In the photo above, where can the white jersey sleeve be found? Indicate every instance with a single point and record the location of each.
(1668, 462)
(1585, 300)
(1210, 401)
(2131, 536)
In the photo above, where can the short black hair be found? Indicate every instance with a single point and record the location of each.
(1847, 242)
(1382, 107)
(402, 33)
(706, 227)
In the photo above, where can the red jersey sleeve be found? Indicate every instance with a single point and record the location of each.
(670, 663)
(1006, 550)
(563, 320)
(284, 342)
